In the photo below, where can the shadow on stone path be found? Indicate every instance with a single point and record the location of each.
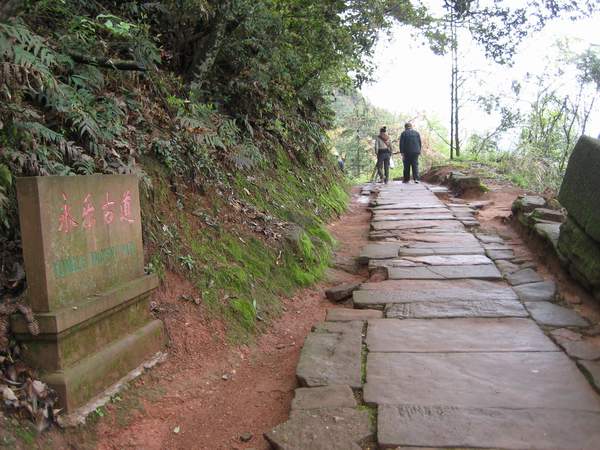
(444, 353)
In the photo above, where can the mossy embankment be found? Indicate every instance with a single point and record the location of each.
(246, 242)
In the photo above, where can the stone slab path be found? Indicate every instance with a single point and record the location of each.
(456, 348)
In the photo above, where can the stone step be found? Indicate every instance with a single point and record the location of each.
(332, 355)
(479, 380)
(456, 308)
(412, 291)
(457, 335)
(481, 272)
(506, 428)
(322, 429)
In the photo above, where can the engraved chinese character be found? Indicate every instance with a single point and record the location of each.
(66, 222)
(126, 208)
(109, 215)
(87, 214)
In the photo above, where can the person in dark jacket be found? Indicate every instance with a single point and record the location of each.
(410, 148)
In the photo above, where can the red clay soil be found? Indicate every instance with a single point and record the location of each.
(212, 393)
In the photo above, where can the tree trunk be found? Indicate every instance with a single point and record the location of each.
(455, 64)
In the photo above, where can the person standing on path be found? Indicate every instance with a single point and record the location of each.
(410, 148)
(383, 152)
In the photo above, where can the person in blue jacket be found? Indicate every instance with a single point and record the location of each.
(410, 148)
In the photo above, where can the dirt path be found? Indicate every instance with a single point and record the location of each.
(208, 394)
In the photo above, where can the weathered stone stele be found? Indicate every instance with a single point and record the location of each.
(581, 185)
(84, 259)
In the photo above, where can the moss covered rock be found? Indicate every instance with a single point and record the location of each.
(582, 252)
(580, 189)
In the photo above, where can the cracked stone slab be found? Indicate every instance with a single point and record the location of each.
(418, 205)
(481, 380)
(347, 314)
(456, 335)
(524, 276)
(427, 251)
(489, 238)
(593, 371)
(511, 429)
(455, 309)
(433, 225)
(412, 291)
(445, 260)
(553, 315)
(331, 355)
(419, 217)
(381, 214)
(483, 272)
(322, 429)
(335, 396)
(543, 291)
(507, 267)
(431, 260)
(496, 246)
(437, 239)
(575, 345)
(500, 254)
(379, 251)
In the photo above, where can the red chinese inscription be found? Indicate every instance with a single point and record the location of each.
(66, 222)
(126, 208)
(87, 214)
(109, 215)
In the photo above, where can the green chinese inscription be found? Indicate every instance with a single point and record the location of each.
(79, 263)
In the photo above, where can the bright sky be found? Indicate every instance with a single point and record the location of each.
(410, 78)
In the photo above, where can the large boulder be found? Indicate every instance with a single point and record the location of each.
(581, 185)
(582, 252)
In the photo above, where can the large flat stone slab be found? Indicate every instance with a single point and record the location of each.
(331, 355)
(457, 335)
(576, 345)
(420, 205)
(553, 315)
(437, 239)
(481, 380)
(482, 272)
(379, 251)
(382, 214)
(347, 314)
(322, 429)
(544, 291)
(456, 308)
(514, 429)
(420, 217)
(524, 276)
(335, 396)
(433, 225)
(427, 251)
(438, 260)
(411, 291)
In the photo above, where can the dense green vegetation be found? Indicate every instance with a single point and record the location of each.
(222, 109)
(219, 107)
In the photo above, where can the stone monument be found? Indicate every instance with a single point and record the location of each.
(84, 260)
(579, 240)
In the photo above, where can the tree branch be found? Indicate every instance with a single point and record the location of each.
(109, 63)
